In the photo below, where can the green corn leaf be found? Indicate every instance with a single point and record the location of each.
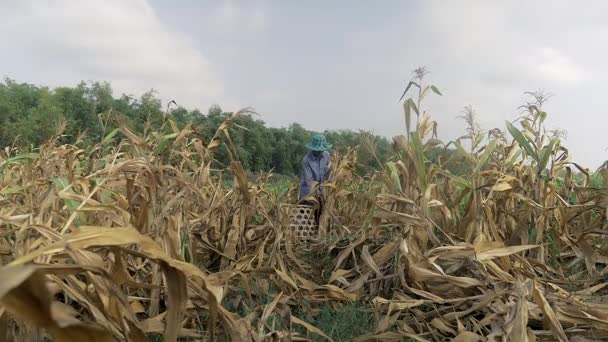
(61, 183)
(110, 136)
(526, 125)
(461, 151)
(407, 110)
(419, 159)
(436, 90)
(169, 136)
(433, 142)
(485, 156)
(11, 190)
(394, 173)
(414, 107)
(530, 136)
(18, 158)
(423, 93)
(460, 181)
(522, 140)
(545, 154)
(478, 140)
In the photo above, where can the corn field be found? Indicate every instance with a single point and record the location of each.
(141, 240)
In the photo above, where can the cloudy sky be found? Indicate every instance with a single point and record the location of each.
(338, 64)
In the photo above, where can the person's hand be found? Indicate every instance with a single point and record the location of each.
(305, 203)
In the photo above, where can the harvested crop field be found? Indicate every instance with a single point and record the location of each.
(141, 240)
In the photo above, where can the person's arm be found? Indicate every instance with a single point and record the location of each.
(327, 162)
(305, 179)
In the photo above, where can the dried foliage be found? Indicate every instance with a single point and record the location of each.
(143, 238)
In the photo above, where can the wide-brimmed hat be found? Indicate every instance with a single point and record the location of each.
(318, 143)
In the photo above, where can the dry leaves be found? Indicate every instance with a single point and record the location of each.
(144, 238)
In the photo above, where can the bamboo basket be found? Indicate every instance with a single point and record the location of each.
(302, 225)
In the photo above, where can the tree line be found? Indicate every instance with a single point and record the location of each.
(30, 115)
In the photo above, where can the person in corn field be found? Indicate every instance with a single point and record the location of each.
(315, 169)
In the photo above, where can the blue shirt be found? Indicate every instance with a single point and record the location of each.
(314, 169)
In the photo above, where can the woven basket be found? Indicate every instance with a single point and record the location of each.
(302, 223)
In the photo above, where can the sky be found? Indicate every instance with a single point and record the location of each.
(328, 64)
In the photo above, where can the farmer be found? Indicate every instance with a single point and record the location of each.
(315, 168)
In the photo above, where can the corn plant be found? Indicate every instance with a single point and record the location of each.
(140, 237)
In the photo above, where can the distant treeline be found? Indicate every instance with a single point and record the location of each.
(30, 116)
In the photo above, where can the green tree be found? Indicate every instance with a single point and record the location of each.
(30, 115)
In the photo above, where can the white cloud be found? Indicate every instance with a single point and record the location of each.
(123, 42)
(497, 41)
(556, 67)
(232, 16)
